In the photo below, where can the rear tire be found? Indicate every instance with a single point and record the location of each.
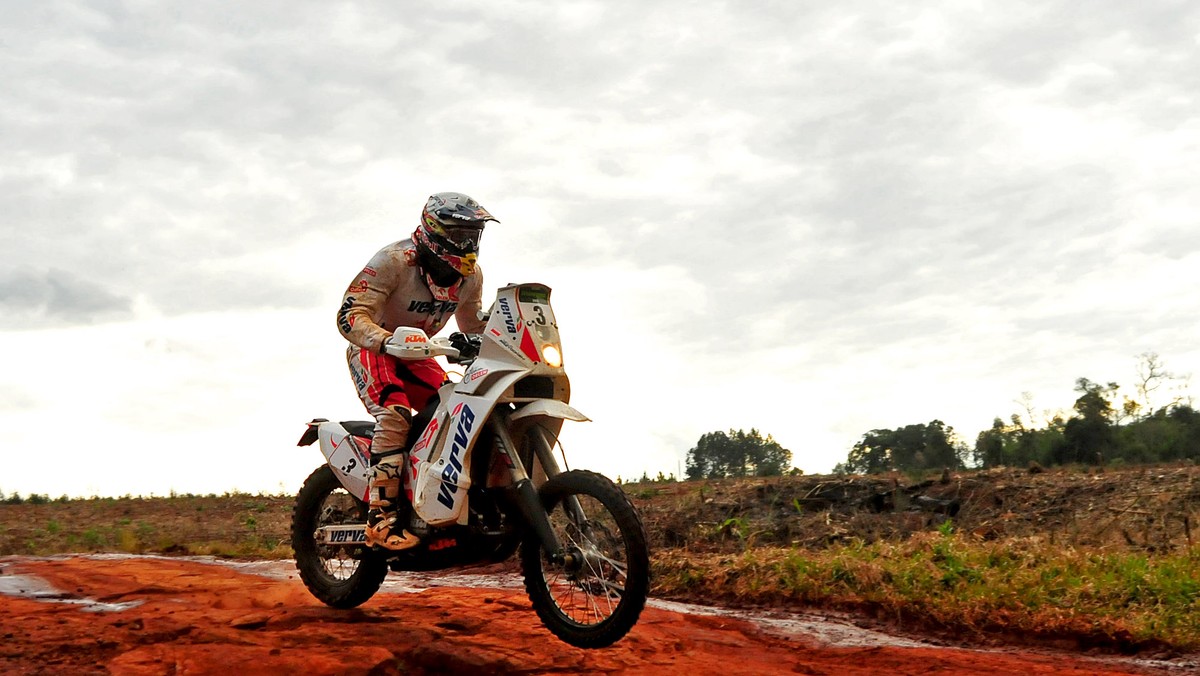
(596, 601)
(340, 576)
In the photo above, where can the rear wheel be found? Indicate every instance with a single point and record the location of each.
(595, 597)
(342, 576)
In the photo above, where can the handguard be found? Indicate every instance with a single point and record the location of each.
(412, 343)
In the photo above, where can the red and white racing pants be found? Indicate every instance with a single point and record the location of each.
(390, 388)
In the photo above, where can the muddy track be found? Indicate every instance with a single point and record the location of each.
(155, 615)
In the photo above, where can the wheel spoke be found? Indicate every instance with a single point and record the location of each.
(338, 508)
(594, 595)
(593, 592)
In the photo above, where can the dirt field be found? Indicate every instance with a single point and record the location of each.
(192, 616)
(135, 616)
(1143, 509)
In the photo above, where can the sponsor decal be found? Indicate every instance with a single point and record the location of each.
(476, 375)
(345, 321)
(432, 307)
(413, 338)
(348, 535)
(369, 271)
(510, 321)
(444, 543)
(426, 437)
(449, 483)
(360, 380)
(414, 455)
(358, 287)
(506, 344)
(361, 449)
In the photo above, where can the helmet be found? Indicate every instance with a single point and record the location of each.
(448, 237)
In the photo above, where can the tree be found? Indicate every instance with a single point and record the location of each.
(913, 447)
(990, 444)
(1089, 434)
(1152, 377)
(718, 454)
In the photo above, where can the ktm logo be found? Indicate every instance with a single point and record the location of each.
(414, 339)
(442, 544)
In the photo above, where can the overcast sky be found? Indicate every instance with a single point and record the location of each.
(810, 219)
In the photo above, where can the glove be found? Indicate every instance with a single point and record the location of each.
(467, 345)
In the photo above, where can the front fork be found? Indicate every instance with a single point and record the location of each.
(526, 495)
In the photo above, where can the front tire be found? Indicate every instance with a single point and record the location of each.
(594, 601)
(340, 576)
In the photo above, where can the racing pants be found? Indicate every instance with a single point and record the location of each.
(391, 388)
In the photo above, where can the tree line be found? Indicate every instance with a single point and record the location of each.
(1155, 423)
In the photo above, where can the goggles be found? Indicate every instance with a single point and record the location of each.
(462, 233)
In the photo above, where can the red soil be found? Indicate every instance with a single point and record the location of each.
(200, 618)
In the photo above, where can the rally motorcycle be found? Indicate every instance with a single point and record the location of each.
(485, 482)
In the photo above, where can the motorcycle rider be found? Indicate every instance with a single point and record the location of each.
(415, 283)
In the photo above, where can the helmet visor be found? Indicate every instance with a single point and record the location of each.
(463, 234)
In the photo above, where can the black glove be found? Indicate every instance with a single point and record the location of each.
(467, 345)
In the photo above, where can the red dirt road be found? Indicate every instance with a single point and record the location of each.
(204, 618)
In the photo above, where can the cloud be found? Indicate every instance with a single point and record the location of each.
(882, 211)
(30, 299)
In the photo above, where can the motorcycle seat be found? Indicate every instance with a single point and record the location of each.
(360, 428)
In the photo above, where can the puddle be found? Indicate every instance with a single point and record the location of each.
(825, 630)
(28, 586)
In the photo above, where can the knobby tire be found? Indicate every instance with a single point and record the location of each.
(371, 568)
(543, 580)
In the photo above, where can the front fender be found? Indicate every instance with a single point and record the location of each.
(549, 407)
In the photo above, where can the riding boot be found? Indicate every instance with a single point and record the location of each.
(384, 520)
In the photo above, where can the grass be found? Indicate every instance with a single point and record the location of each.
(944, 580)
(1062, 563)
(232, 525)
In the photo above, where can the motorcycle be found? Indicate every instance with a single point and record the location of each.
(484, 482)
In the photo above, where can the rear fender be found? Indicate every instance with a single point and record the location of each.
(310, 432)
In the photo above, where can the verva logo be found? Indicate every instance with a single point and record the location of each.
(510, 321)
(348, 536)
(449, 483)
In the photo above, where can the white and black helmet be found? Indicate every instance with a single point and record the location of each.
(448, 237)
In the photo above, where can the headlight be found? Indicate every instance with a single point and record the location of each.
(551, 356)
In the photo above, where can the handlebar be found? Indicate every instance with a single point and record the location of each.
(459, 348)
(466, 345)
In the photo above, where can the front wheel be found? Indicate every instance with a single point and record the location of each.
(595, 598)
(342, 576)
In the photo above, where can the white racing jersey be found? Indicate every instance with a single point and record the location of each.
(391, 291)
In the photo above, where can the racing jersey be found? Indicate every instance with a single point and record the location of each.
(391, 291)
